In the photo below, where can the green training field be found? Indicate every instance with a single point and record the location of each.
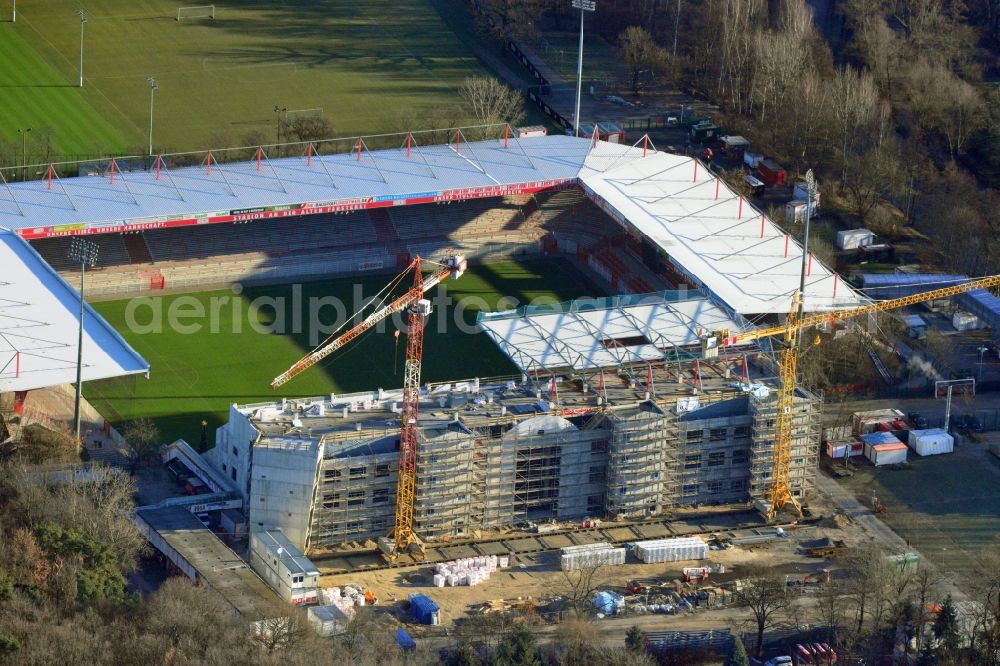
(196, 375)
(35, 95)
(366, 64)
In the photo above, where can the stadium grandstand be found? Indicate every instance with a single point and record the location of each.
(39, 328)
(642, 219)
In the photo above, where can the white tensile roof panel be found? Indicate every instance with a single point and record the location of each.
(710, 233)
(604, 332)
(39, 326)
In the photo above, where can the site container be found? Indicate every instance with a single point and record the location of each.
(795, 211)
(885, 453)
(327, 620)
(531, 130)
(852, 239)
(931, 442)
(670, 550)
(964, 321)
(734, 145)
(839, 449)
(771, 172)
(424, 610)
(752, 160)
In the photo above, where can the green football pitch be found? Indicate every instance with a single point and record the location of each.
(367, 65)
(197, 374)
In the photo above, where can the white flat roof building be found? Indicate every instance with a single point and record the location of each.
(605, 332)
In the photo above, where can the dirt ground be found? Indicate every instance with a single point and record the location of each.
(947, 506)
(537, 576)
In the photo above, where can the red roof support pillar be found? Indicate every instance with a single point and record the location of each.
(260, 150)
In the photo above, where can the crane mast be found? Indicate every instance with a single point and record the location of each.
(780, 493)
(418, 309)
(402, 534)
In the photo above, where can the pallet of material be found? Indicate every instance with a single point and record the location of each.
(670, 550)
(572, 558)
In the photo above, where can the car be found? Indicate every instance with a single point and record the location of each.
(778, 661)
(974, 423)
(918, 421)
(621, 101)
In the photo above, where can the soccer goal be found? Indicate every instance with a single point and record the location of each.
(200, 11)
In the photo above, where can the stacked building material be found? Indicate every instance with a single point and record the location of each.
(590, 555)
(468, 571)
(670, 550)
(344, 599)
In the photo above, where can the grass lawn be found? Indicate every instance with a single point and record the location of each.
(34, 94)
(196, 376)
(219, 80)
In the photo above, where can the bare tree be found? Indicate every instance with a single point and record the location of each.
(279, 633)
(309, 128)
(505, 19)
(944, 103)
(491, 102)
(641, 55)
(763, 592)
(579, 587)
(142, 439)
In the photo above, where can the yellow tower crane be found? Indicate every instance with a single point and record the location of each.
(780, 494)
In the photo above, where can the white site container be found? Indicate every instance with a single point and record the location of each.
(752, 160)
(327, 620)
(852, 239)
(931, 442)
(964, 321)
(670, 550)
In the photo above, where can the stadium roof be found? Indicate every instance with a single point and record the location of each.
(721, 242)
(239, 191)
(604, 332)
(704, 228)
(38, 327)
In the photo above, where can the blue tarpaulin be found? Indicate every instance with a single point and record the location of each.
(405, 641)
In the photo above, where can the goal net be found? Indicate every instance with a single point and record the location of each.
(199, 11)
(959, 387)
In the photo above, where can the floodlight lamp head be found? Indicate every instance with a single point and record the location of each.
(82, 15)
(152, 83)
(84, 251)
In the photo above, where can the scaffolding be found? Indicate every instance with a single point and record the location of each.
(806, 431)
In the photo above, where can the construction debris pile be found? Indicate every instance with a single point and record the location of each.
(346, 599)
(468, 571)
(670, 550)
(590, 555)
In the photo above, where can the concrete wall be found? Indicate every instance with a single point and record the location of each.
(283, 483)
(232, 454)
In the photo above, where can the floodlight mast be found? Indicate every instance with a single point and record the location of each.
(85, 252)
(583, 6)
(83, 19)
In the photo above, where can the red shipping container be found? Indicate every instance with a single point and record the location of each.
(771, 173)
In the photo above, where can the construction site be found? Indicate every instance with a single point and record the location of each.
(493, 454)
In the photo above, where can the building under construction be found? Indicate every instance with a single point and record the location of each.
(630, 442)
